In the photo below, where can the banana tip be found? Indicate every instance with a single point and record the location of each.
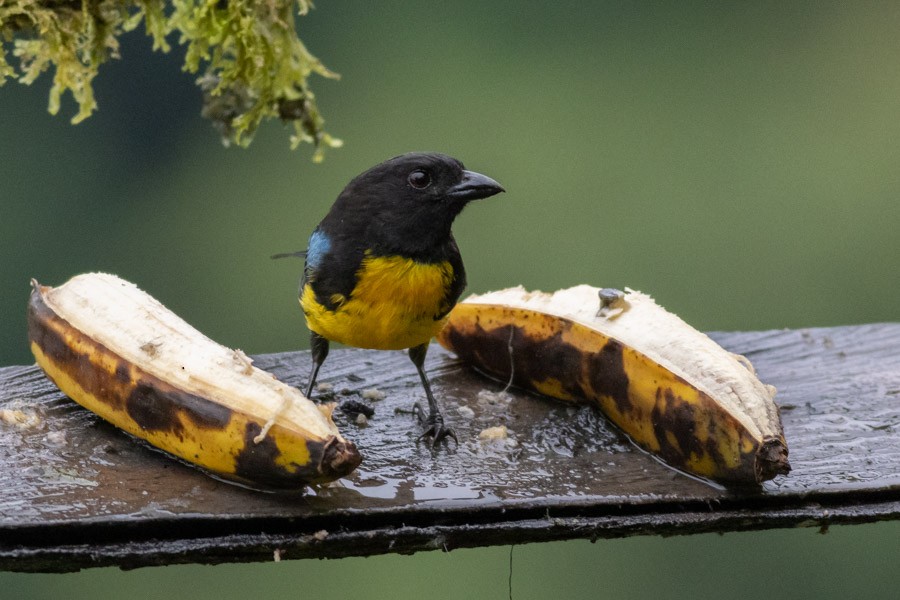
(339, 458)
(772, 459)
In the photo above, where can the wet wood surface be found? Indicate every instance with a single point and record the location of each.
(76, 492)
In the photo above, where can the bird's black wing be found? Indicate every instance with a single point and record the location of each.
(331, 265)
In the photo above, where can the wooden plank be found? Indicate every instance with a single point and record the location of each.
(78, 493)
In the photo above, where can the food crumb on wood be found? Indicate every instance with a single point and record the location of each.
(19, 418)
(373, 394)
(56, 438)
(465, 412)
(489, 397)
(490, 434)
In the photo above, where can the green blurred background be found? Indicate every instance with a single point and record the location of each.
(740, 162)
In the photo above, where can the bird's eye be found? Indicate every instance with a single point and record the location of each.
(419, 179)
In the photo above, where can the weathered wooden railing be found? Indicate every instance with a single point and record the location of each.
(75, 492)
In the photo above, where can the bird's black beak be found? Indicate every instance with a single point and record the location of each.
(474, 186)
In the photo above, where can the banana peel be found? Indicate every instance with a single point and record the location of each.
(121, 354)
(672, 389)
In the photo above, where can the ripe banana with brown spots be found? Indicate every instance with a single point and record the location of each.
(121, 354)
(672, 389)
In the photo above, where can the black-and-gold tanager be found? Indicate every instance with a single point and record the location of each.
(382, 268)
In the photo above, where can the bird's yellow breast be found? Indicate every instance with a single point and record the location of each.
(393, 306)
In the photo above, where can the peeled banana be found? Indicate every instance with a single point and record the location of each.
(121, 354)
(671, 388)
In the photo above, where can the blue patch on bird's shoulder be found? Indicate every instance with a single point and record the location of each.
(319, 246)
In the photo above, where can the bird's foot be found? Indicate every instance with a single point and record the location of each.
(433, 425)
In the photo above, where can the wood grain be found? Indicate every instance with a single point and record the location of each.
(78, 493)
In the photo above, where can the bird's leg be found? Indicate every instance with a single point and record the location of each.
(434, 421)
(319, 347)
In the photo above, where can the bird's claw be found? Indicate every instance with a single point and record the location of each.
(433, 425)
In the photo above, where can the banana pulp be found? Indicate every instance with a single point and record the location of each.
(121, 354)
(671, 388)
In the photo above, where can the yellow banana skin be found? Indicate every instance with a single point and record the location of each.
(660, 410)
(193, 427)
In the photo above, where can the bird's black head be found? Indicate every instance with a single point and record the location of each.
(407, 203)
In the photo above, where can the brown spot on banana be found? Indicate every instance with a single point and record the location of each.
(669, 387)
(188, 397)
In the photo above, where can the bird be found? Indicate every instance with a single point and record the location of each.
(382, 268)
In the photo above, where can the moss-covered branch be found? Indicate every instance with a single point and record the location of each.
(251, 63)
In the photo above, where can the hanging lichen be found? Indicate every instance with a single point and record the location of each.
(251, 63)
